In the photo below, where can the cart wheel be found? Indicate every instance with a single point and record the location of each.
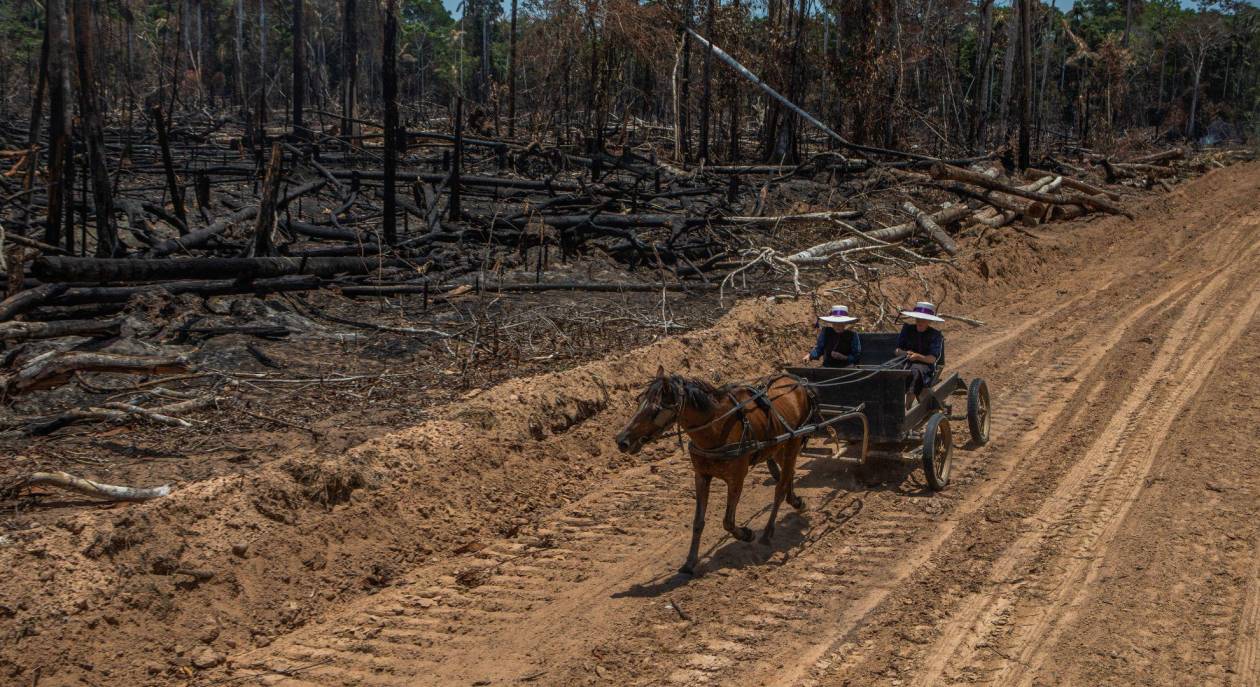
(978, 411)
(938, 451)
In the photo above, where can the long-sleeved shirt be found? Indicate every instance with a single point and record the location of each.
(928, 342)
(830, 340)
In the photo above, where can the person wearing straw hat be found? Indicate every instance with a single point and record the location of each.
(837, 345)
(922, 345)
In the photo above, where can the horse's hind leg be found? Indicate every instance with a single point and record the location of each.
(790, 456)
(734, 487)
(780, 491)
(697, 524)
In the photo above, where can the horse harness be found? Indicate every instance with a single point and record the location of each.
(747, 442)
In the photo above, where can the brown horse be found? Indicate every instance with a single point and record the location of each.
(717, 419)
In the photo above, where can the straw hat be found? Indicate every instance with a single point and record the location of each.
(923, 311)
(839, 315)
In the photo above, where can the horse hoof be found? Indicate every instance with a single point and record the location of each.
(745, 534)
(688, 569)
(766, 537)
(797, 502)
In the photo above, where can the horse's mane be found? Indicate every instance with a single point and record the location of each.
(696, 393)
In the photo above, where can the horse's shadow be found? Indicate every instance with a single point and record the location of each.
(729, 553)
(883, 471)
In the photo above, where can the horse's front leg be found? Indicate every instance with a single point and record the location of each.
(734, 487)
(697, 524)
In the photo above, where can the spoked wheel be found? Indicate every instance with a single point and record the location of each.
(978, 411)
(938, 451)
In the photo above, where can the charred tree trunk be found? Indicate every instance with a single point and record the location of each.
(242, 95)
(389, 76)
(512, 75)
(172, 185)
(107, 243)
(984, 53)
(60, 160)
(349, 67)
(457, 160)
(1008, 68)
(264, 224)
(707, 92)
(1026, 79)
(299, 69)
(685, 90)
(37, 103)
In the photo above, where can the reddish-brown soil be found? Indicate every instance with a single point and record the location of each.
(1107, 534)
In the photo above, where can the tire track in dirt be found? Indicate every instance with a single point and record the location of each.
(844, 654)
(1123, 484)
(886, 546)
(1088, 504)
(484, 615)
(1247, 660)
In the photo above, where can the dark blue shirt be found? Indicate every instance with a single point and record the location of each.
(929, 342)
(827, 340)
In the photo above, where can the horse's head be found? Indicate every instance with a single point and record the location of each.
(660, 406)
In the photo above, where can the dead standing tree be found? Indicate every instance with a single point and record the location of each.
(299, 70)
(389, 77)
(61, 156)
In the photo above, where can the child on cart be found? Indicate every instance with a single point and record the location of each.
(837, 345)
(922, 345)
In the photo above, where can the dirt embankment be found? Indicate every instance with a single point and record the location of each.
(104, 596)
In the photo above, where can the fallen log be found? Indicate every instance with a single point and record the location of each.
(52, 370)
(465, 180)
(1164, 156)
(1151, 171)
(225, 287)
(70, 269)
(943, 171)
(1033, 174)
(331, 233)
(822, 251)
(931, 228)
(31, 298)
(110, 492)
(605, 287)
(25, 331)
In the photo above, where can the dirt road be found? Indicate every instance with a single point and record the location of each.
(1108, 533)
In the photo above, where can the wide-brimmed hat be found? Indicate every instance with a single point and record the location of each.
(839, 315)
(923, 311)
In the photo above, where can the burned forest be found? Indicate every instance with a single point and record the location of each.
(253, 240)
